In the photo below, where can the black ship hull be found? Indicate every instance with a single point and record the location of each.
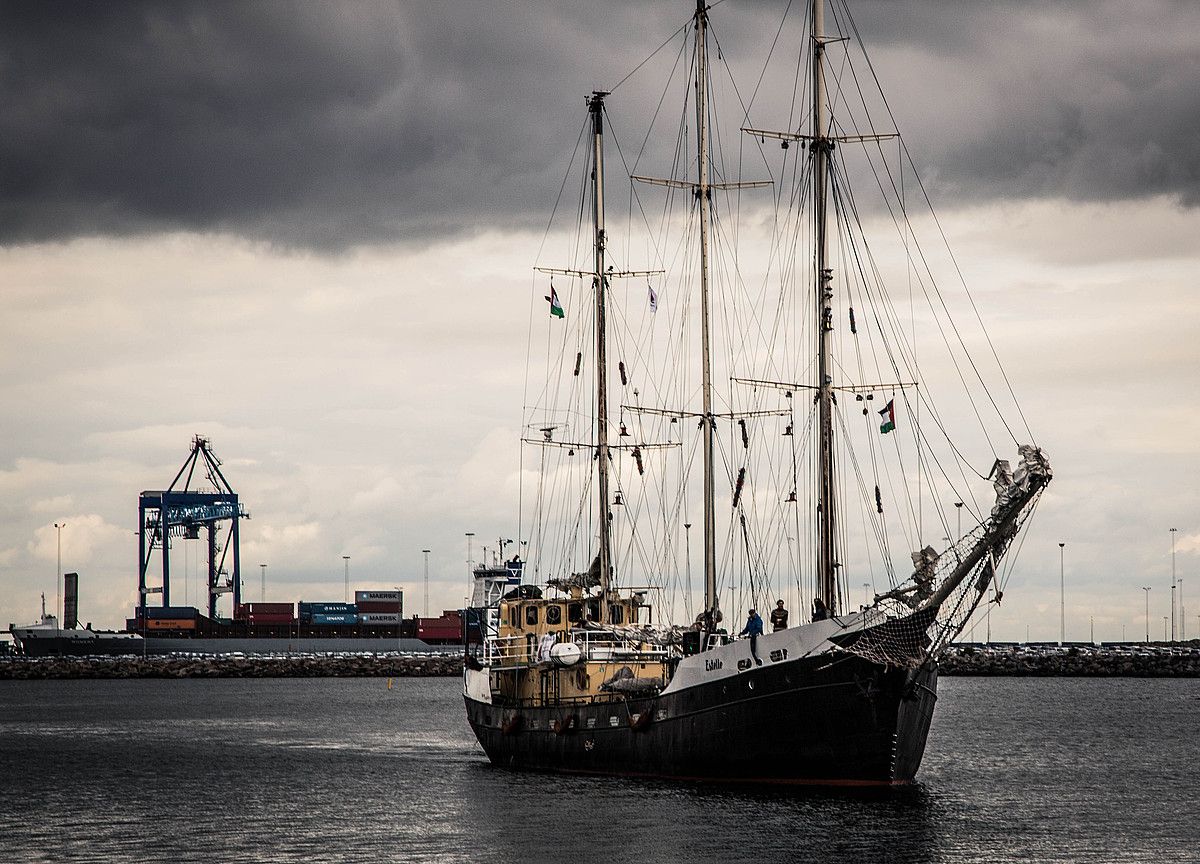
(824, 720)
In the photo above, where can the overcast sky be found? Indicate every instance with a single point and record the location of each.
(306, 230)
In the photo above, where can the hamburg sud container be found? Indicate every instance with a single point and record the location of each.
(253, 610)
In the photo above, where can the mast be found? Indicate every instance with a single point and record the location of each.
(596, 108)
(821, 146)
(702, 196)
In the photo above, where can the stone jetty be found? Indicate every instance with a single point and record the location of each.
(1179, 660)
(234, 666)
(1161, 660)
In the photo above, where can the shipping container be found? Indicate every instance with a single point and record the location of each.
(244, 610)
(172, 612)
(330, 618)
(170, 623)
(327, 608)
(378, 596)
(269, 618)
(378, 618)
(392, 606)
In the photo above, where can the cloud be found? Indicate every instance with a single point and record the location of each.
(328, 126)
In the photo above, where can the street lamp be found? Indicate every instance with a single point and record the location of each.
(399, 622)
(346, 559)
(958, 505)
(866, 593)
(1062, 594)
(1173, 530)
(470, 570)
(264, 582)
(1165, 619)
(425, 602)
(58, 576)
(1146, 588)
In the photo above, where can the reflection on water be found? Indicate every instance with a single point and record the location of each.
(345, 770)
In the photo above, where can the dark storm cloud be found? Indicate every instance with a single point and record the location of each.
(332, 124)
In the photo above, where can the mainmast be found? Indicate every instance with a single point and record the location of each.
(702, 197)
(596, 108)
(822, 144)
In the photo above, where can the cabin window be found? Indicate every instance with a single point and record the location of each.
(553, 614)
(513, 620)
(616, 614)
(531, 616)
(575, 612)
(593, 609)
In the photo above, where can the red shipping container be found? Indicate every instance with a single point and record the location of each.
(270, 618)
(379, 606)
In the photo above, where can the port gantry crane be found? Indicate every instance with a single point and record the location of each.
(182, 511)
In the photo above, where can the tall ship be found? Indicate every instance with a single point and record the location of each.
(811, 379)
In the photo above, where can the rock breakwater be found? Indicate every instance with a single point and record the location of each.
(233, 666)
(1125, 661)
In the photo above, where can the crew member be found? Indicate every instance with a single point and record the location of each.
(779, 617)
(753, 629)
(820, 610)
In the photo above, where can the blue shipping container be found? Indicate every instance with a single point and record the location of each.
(328, 608)
(330, 618)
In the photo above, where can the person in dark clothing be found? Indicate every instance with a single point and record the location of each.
(753, 629)
(779, 617)
(820, 610)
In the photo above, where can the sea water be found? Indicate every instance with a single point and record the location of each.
(314, 770)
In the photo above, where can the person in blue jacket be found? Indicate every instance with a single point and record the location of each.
(753, 629)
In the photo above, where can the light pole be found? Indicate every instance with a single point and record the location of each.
(687, 553)
(958, 505)
(1062, 594)
(1165, 628)
(1182, 614)
(346, 560)
(1173, 530)
(1146, 588)
(425, 602)
(399, 622)
(866, 593)
(58, 576)
(470, 571)
(1092, 619)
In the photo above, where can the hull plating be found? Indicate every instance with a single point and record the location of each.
(820, 720)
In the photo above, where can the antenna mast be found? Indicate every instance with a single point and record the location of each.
(822, 144)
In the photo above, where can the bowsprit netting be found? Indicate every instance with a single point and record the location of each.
(929, 610)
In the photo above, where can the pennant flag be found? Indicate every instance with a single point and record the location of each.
(888, 413)
(653, 298)
(555, 307)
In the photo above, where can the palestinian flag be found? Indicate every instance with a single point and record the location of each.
(555, 307)
(888, 413)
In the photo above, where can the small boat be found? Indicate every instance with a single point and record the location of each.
(46, 638)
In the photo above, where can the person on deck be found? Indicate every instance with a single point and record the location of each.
(820, 610)
(779, 616)
(753, 629)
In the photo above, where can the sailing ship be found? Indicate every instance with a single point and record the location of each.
(574, 674)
